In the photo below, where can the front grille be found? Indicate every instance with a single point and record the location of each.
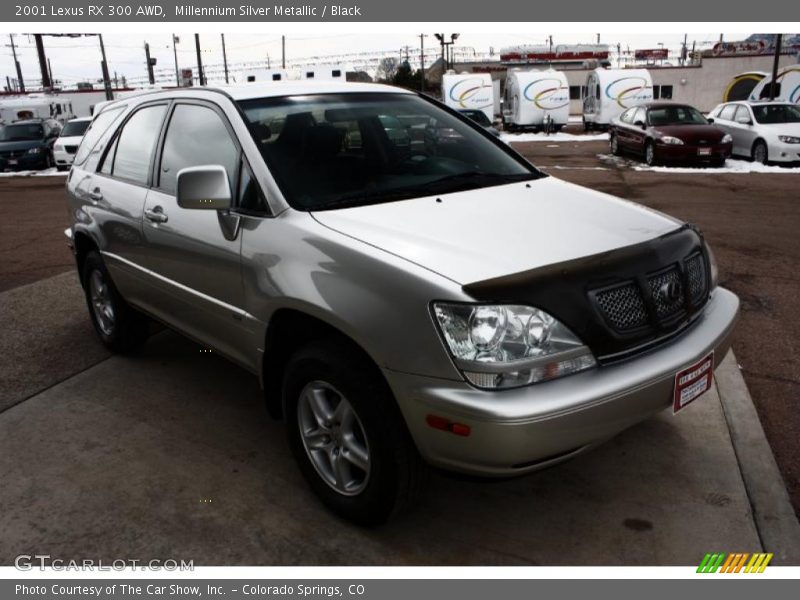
(623, 306)
(12, 154)
(655, 301)
(70, 149)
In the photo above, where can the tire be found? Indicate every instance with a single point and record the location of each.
(759, 153)
(370, 429)
(120, 327)
(650, 154)
(613, 145)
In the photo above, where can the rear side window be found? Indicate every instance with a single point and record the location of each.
(196, 136)
(99, 126)
(136, 143)
(726, 114)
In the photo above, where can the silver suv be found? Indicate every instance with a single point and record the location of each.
(404, 297)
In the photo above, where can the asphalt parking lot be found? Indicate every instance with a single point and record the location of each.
(168, 453)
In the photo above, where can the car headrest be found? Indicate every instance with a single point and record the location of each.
(323, 141)
(261, 132)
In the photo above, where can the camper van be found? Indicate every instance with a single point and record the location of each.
(264, 75)
(473, 91)
(611, 91)
(788, 88)
(19, 108)
(534, 98)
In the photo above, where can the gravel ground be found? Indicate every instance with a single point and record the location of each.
(752, 221)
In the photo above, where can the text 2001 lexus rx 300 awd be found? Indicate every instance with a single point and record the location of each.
(405, 297)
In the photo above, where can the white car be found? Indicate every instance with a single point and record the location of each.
(67, 143)
(763, 131)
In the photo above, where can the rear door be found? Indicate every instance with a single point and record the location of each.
(195, 254)
(117, 193)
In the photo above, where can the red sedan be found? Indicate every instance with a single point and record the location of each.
(663, 132)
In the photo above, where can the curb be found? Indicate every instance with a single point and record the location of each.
(773, 514)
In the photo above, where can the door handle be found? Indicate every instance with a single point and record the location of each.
(95, 195)
(156, 215)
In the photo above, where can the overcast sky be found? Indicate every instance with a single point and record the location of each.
(77, 59)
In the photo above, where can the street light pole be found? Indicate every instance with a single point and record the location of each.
(773, 85)
(104, 66)
(200, 78)
(46, 83)
(422, 62)
(175, 41)
(20, 81)
(224, 57)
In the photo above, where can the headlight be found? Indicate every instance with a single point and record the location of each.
(712, 261)
(727, 139)
(673, 141)
(504, 346)
(34, 151)
(58, 148)
(789, 139)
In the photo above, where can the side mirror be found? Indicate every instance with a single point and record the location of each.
(710, 119)
(640, 124)
(205, 188)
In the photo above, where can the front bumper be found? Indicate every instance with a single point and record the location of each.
(778, 151)
(63, 158)
(521, 430)
(689, 153)
(24, 162)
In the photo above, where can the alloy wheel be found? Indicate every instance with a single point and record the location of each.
(333, 438)
(102, 305)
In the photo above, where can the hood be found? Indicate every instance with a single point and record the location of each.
(692, 134)
(489, 232)
(792, 129)
(71, 140)
(21, 145)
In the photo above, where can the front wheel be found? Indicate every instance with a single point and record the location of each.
(650, 154)
(760, 153)
(119, 326)
(614, 145)
(347, 434)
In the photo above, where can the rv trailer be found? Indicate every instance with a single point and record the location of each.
(611, 91)
(535, 99)
(18, 108)
(787, 88)
(473, 91)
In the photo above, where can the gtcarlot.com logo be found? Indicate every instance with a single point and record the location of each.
(28, 562)
(737, 562)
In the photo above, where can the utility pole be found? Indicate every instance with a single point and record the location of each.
(200, 77)
(224, 57)
(773, 85)
(104, 66)
(150, 63)
(46, 83)
(598, 38)
(176, 40)
(283, 52)
(683, 49)
(422, 61)
(50, 71)
(20, 81)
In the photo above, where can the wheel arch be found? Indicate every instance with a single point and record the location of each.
(84, 243)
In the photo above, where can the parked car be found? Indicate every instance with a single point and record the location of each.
(67, 143)
(762, 131)
(28, 144)
(453, 305)
(481, 119)
(667, 132)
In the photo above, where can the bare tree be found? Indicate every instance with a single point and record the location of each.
(387, 69)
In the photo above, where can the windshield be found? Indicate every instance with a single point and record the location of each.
(675, 115)
(478, 116)
(75, 128)
(339, 150)
(19, 133)
(771, 114)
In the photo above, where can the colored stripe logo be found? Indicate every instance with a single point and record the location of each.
(737, 562)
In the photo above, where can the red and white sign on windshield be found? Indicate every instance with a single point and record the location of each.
(693, 382)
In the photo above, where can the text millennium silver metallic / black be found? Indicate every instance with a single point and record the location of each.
(276, 10)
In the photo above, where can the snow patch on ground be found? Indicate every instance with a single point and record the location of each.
(509, 138)
(45, 173)
(732, 165)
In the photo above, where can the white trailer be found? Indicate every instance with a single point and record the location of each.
(263, 75)
(535, 99)
(17, 108)
(788, 88)
(611, 91)
(473, 91)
